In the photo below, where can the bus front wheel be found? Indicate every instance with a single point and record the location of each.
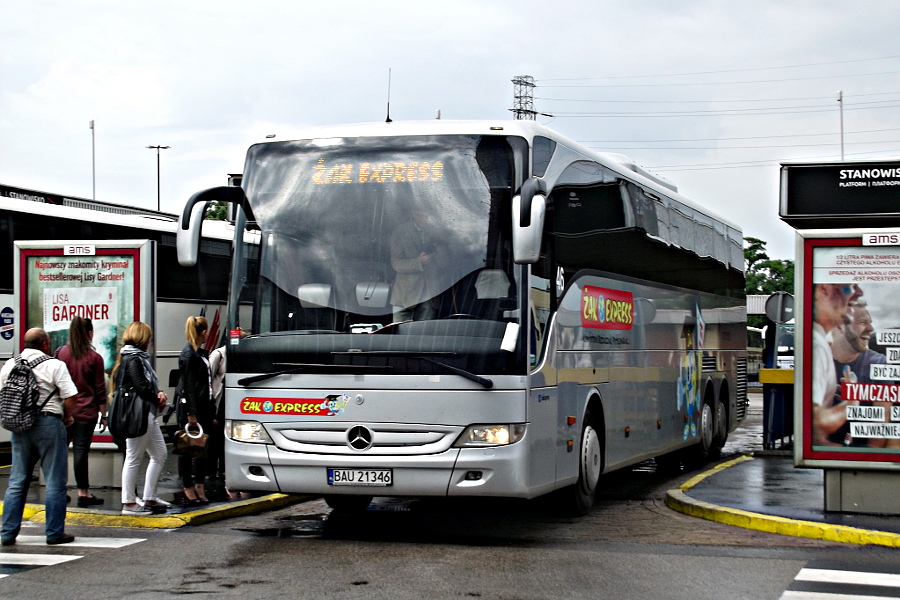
(578, 499)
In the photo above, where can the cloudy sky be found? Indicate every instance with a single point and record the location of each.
(712, 94)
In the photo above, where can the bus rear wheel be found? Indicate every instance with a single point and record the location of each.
(698, 454)
(348, 503)
(578, 499)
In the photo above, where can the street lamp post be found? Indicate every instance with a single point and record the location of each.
(158, 148)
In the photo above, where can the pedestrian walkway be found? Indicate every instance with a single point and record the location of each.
(767, 493)
(829, 579)
(169, 489)
(31, 552)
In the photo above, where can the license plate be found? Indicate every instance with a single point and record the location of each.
(367, 477)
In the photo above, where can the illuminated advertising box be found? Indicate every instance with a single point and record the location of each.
(109, 283)
(847, 405)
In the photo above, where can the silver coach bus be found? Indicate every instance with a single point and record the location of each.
(470, 309)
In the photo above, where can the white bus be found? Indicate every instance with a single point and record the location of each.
(180, 291)
(471, 309)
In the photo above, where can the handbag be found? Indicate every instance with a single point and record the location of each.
(192, 444)
(127, 415)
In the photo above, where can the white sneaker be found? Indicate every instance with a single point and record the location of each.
(137, 510)
(159, 502)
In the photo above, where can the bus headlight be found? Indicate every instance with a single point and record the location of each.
(480, 436)
(247, 431)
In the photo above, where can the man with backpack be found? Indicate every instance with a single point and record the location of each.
(45, 440)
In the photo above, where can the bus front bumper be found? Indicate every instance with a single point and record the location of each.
(496, 471)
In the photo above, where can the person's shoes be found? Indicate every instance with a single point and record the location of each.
(8, 541)
(85, 501)
(154, 502)
(202, 501)
(137, 510)
(61, 539)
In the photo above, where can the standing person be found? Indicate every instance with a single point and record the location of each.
(138, 374)
(46, 441)
(421, 266)
(215, 455)
(195, 406)
(87, 371)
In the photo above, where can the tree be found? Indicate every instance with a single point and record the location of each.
(216, 211)
(764, 275)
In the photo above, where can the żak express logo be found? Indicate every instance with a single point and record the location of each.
(603, 308)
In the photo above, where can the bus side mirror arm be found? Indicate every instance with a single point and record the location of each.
(191, 223)
(528, 210)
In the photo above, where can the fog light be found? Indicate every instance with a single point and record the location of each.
(473, 475)
(257, 471)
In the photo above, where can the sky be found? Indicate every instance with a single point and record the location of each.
(711, 94)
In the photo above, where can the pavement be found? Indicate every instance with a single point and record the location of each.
(760, 490)
(109, 514)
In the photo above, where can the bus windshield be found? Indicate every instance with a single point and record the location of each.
(377, 251)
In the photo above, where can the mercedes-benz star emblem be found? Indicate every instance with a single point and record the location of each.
(359, 438)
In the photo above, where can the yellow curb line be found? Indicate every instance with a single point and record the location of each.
(678, 500)
(35, 513)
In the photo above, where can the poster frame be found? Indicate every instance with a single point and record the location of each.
(804, 453)
(142, 252)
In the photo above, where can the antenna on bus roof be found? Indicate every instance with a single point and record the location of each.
(388, 120)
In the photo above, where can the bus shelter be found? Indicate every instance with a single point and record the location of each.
(847, 388)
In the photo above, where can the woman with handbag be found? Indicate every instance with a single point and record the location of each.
(133, 377)
(195, 407)
(88, 373)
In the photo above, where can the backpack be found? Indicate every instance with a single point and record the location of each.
(19, 408)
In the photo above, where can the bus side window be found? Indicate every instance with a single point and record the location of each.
(539, 304)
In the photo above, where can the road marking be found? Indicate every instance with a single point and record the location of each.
(80, 542)
(852, 577)
(791, 595)
(41, 560)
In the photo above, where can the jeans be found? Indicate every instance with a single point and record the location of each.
(153, 444)
(46, 442)
(82, 434)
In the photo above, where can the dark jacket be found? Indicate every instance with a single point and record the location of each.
(195, 388)
(88, 376)
(133, 377)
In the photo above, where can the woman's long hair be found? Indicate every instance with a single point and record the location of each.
(80, 336)
(192, 330)
(137, 334)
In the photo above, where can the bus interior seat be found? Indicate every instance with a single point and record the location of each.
(491, 284)
(486, 297)
(372, 294)
(318, 312)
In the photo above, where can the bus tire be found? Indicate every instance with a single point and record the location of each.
(578, 499)
(348, 503)
(698, 454)
(721, 435)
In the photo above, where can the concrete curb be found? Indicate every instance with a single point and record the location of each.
(84, 517)
(680, 501)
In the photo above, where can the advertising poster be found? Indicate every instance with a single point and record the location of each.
(101, 284)
(851, 386)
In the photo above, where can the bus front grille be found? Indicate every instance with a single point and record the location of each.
(386, 439)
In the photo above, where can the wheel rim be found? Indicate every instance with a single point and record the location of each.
(591, 462)
(706, 425)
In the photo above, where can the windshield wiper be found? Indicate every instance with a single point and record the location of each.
(483, 381)
(306, 367)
